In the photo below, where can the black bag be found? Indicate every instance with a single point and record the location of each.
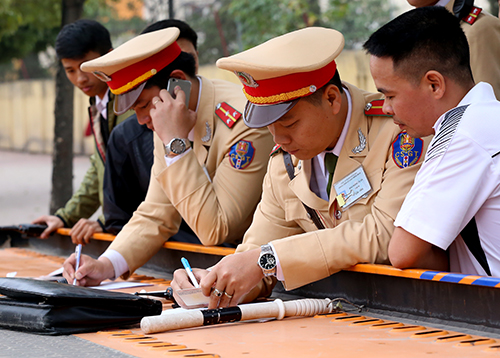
(47, 307)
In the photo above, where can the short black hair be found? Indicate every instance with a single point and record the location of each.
(315, 98)
(186, 32)
(424, 39)
(77, 39)
(184, 62)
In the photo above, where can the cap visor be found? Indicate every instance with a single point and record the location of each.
(124, 101)
(258, 116)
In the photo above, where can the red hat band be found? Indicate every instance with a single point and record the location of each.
(131, 76)
(286, 88)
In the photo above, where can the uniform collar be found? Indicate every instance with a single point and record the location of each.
(444, 3)
(102, 104)
(204, 127)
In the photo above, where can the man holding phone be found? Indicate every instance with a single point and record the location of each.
(204, 154)
(130, 152)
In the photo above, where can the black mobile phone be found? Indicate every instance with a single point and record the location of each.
(184, 85)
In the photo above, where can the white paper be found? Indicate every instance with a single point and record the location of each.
(57, 272)
(115, 285)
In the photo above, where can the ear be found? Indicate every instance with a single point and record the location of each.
(178, 74)
(436, 83)
(333, 96)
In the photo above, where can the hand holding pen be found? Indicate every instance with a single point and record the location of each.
(78, 254)
(189, 271)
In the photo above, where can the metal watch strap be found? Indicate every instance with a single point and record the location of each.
(290, 170)
(168, 150)
(266, 249)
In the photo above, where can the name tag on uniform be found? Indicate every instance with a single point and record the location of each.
(351, 188)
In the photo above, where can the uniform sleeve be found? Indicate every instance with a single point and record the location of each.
(269, 224)
(154, 221)
(85, 201)
(269, 218)
(218, 210)
(363, 237)
(484, 43)
(447, 192)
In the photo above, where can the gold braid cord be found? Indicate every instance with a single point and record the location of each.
(282, 97)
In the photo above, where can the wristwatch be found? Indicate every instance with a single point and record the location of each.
(177, 146)
(267, 260)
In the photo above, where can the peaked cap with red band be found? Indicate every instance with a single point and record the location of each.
(280, 71)
(127, 68)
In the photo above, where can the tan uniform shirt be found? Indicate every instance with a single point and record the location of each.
(362, 234)
(217, 211)
(483, 37)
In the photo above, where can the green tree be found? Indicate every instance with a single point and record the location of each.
(228, 26)
(27, 26)
(261, 20)
(62, 156)
(357, 19)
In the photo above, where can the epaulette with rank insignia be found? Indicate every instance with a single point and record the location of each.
(227, 114)
(276, 149)
(472, 17)
(374, 108)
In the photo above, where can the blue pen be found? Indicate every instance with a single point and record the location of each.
(78, 254)
(189, 271)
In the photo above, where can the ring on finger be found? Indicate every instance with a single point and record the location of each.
(228, 295)
(217, 292)
(155, 101)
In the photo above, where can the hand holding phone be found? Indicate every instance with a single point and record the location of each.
(183, 84)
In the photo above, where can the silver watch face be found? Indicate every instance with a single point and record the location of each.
(267, 261)
(177, 146)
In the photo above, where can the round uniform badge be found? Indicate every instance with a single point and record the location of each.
(406, 151)
(241, 154)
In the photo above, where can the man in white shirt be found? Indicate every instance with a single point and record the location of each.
(420, 62)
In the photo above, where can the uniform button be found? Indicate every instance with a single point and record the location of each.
(308, 215)
(338, 214)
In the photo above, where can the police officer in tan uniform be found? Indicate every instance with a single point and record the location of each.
(483, 35)
(293, 87)
(208, 166)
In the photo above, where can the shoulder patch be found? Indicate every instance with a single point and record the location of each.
(241, 154)
(472, 17)
(374, 108)
(406, 151)
(276, 149)
(227, 114)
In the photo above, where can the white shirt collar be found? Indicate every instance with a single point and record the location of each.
(479, 93)
(319, 175)
(340, 142)
(442, 2)
(102, 104)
